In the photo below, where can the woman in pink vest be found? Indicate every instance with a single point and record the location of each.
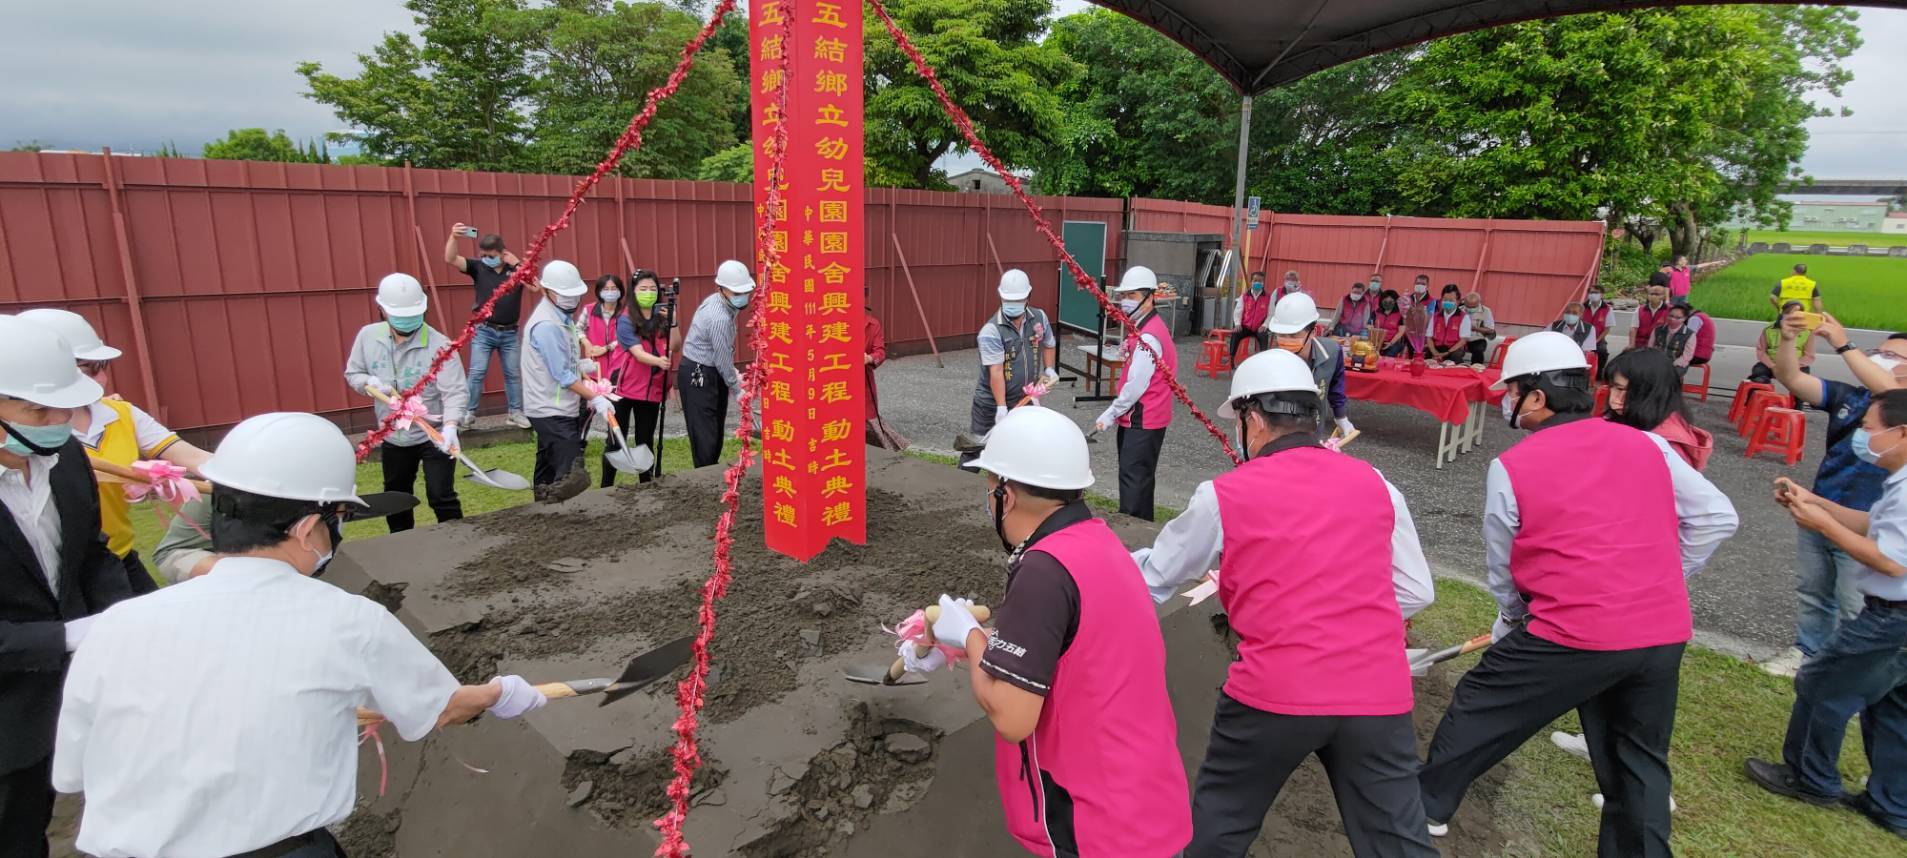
(1593, 612)
(1645, 392)
(1143, 407)
(1318, 567)
(1249, 315)
(1354, 313)
(1389, 323)
(1448, 330)
(1073, 678)
(648, 339)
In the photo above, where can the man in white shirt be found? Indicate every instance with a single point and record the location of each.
(1143, 408)
(55, 569)
(266, 665)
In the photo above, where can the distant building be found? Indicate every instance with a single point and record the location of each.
(1895, 223)
(978, 181)
(1816, 216)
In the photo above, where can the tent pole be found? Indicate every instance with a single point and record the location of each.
(1238, 211)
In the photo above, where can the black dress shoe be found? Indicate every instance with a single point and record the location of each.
(1861, 804)
(1780, 779)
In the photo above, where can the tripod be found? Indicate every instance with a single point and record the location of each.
(668, 303)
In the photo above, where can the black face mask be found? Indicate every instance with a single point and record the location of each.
(335, 526)
(999, 516)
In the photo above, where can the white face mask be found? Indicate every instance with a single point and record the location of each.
(1129, 305)
(565, 303)
(1595, 300)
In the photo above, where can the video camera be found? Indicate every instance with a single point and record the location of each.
(666, 296)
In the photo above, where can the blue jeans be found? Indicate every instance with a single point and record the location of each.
(504, 343)
(1826, 590)
(1862, 670)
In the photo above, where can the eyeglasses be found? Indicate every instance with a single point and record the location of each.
(94, 367)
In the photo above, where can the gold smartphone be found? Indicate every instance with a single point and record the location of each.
(1811, 321)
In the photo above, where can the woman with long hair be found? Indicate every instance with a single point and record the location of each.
(1645, 391)
(1389, 324)
(599, 344)
(649, 343)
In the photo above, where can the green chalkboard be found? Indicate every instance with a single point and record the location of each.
(1086, 241)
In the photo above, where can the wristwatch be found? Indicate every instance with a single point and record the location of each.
(1844, 348)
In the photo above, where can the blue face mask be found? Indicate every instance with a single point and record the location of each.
(407, 324)
(1449, 306)
(738, 301)
(1864, 452)
(492, 261)
(1258, 286)
(1013, 309)
(36, 440)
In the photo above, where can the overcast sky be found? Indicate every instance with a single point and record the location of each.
(136, 75)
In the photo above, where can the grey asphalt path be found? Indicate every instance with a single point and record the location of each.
(1744, 601)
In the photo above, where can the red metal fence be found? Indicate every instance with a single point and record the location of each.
(235, 287)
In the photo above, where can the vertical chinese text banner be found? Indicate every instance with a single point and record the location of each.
(814, 470)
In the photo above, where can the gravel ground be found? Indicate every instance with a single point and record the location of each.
(1744, 600)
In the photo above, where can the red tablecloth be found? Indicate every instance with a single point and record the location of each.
(1445, 394)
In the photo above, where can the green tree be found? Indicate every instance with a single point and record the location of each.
(988, 55)
(595, 66)
(452, 99)
(257, 144)
(734, 164)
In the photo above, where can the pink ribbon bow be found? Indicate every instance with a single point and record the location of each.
(1035, 391)
(410, 410)
(163, 480)
(915, 629)
(601, 387)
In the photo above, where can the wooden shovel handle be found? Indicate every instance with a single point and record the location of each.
(551, 690)
(114, 469)
(429, 432)
(1474, 644)
(980, 612)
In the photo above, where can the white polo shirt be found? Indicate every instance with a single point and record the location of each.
(1887, 526)
(241, 730)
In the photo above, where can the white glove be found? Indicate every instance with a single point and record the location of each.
(999, 413)
(932, 661)
(1502, 628)
(587, 366)
(1344, 425)
(76, 631)
(1051, 377)
(602, 406)
(378, 385)
(518, 698)
(449, 431)
(956, 621)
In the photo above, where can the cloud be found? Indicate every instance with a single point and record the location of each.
(1872, 143)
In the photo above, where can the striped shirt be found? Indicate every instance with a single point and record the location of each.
(711, 338)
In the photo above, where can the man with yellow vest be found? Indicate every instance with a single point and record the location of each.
(1796, 288)
(116, 431)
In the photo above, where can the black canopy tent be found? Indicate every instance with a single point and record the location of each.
(1258, 44)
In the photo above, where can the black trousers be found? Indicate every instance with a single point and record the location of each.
(1138, 465)
(312, 844)
(1239, 335)
(705, 409)
(1479, 349)
(559, 446)
(136, 574)
(1371, 761)
(440, 481)
(26, 808)
(1626, 699)
(637, 418)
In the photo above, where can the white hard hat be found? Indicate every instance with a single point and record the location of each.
(1269, 371)
(401, 295)
(287, 455)
(1544, 351)
(562, 278)
(77, 332)
(1014, 286)
(733, 276)
(36, 364)
(1295, 312)
(1037, 447)
(1138, 278)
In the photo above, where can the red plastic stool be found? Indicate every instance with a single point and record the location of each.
(1759, 401)
(1212, 357)
(1782, 430)
(1701, 389)
(1502, 348)
(1739, 405)
(1248, 345)
(1595, 364)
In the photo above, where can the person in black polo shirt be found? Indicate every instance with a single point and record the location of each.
(493, 265)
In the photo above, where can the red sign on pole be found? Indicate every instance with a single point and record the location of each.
(814, 469)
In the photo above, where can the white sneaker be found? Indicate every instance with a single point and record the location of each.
(518, 420)
(1786, 664)
(1571, 742)
(1438, 829)
(1597, 801)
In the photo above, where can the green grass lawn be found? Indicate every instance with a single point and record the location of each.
(1728, 711)
(1801, 240)
(1862, 293)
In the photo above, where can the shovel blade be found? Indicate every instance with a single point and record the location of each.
(878, 676)
(649, 667)
(631, 460)
(502, 479)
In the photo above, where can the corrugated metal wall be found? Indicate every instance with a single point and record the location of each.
(235, 287)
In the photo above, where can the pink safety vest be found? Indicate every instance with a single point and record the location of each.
(1156, 401)
(1449, 328)
(1306, 579)
(602, 332)
(1106, 733)
(1257, 309)
(1597, 554)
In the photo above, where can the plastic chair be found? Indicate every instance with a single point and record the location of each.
(1701, 389)
(1759, 401)
(1212, 357)
(1248, 345)
(1781, 430)
(1503, 347)
(1739, 405)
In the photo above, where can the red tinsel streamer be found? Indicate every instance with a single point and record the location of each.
(1085, 281)
(526, 268)
(690, 692)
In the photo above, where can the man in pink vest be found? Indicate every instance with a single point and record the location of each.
(1588, 573)
(1249, 315)
(1318, 565)
(1448, 335)
(1143, 407)
(1073, 677)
